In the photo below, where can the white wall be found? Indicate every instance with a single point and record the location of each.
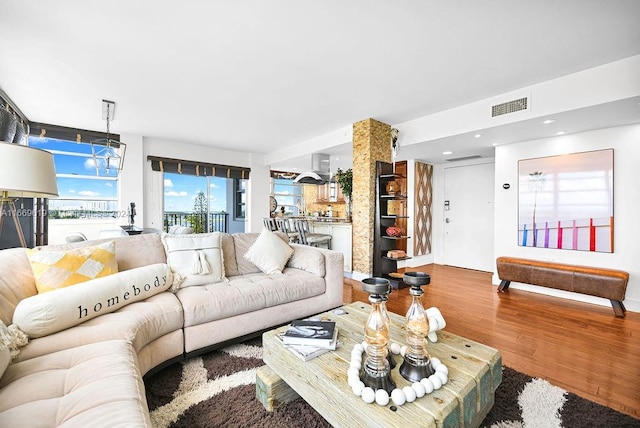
(625, 141)
(131, 180)
(139, 184)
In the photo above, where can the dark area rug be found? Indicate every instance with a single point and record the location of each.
(218, 390)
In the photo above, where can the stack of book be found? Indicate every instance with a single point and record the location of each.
(307, 339)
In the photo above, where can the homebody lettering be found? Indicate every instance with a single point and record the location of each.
(135, 290)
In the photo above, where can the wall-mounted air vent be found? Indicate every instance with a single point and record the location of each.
(463, 158)
(510, 107)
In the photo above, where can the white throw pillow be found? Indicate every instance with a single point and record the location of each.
(57, 310)
(269, 253)
(195, 259)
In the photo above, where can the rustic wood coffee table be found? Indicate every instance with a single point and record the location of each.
(475, 371)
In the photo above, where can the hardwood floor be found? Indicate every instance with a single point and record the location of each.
(580, 347)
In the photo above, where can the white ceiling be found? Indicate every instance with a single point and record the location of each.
(257, 75)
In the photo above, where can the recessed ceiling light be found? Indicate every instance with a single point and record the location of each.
(548, 121)
(447, 153)
(478, 135)
(561, 132)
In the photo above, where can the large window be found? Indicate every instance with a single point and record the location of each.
(82, 192)
(289, 197)
(195, 201)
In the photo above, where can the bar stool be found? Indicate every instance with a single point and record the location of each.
(269, 224)
(309, 238)
(284, 226)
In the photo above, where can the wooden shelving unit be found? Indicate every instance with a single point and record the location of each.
(391, 210)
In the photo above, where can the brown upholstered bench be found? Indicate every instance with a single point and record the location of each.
(607, 283)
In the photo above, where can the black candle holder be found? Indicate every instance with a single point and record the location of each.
(417, 361)
(376, 372)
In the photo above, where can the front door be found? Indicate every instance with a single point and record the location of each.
(468, 216)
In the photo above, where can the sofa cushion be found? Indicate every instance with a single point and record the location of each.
(58, 269)
(269, 253)
(247, 293)
(16, 286)
(229, 255)
(60, 309)
(93, 385)
(197, 258)
(139, 323)
(307, 258)
(131, 251)
(5, 359)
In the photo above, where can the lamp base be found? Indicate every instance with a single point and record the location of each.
(4, 200)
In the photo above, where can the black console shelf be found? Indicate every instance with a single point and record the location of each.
(383, 266)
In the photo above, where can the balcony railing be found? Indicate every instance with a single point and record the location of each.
(217, 222)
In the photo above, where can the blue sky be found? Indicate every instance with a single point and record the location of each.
(180, 192)
(81, 183)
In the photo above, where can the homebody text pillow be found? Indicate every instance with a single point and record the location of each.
(57, 310)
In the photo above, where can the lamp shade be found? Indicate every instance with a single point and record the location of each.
(26, 172)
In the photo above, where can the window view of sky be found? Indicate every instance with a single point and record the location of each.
(80, 188)
(181, 190)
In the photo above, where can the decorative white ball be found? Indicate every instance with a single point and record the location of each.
(443, 377)
(435, 362)
(442, 368)
(428, 385)
(418, 388)
(409, 394)
(352, 371)
(357, 348)
(398, 397)
(403, 350)
(368, 395)
(382, 397)
(364, 345)
(356, 359)
(358, 388)
(435, 380)
(395, 348)
(355, 364)
(352, 380)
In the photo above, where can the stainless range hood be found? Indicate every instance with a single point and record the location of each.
(320, 171)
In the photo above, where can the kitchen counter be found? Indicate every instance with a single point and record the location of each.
(329, 220)
(341, 239)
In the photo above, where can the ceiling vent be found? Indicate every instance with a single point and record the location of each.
(510, 107)
(320, 171)
(464, 158)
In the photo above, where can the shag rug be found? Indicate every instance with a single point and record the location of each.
(218, 390)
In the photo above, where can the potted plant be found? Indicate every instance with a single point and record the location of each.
(345, 181)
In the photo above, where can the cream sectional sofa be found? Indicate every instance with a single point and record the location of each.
(90, 374)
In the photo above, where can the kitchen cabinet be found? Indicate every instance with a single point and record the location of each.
(340, 239)
(329, 192)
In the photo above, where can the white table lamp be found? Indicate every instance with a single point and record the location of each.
(25, 172)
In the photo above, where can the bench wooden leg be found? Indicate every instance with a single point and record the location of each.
(504, 284)
(618, 308)
(271, 390)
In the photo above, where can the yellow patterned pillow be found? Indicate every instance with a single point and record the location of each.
(59, 269)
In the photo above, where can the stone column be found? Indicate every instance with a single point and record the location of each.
(371, 143)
